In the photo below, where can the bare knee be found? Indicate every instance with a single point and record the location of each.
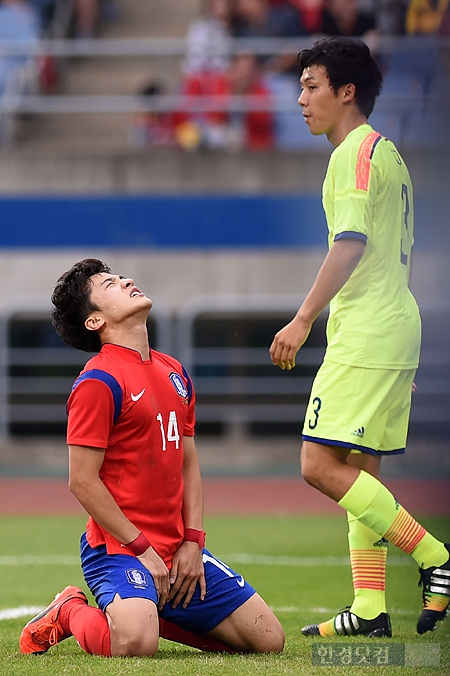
(321, 464)
(252, 627)
(310, 467)
(134, 627)
(268, 638)
(125, 645)
(311, 476)
(326, 468)
(271, 640)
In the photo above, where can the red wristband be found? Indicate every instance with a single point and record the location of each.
(139, 545)
(195, 535)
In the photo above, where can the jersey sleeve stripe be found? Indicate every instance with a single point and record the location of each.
(349, 234)
(110, 381)
(188, 384)
(365, 154)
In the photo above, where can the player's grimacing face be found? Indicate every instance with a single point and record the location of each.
(319, 103)
(117, 296)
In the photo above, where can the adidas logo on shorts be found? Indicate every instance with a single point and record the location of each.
(358, 433)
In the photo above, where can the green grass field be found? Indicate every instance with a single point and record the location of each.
(39, 556)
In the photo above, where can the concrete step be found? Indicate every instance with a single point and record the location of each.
(152, 18)
(75, 133)
(111, 75)
(117, 75)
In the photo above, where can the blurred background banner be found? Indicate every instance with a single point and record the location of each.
(181, 221)
(173, 222)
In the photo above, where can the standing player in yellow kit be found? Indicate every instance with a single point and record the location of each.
(361, 397)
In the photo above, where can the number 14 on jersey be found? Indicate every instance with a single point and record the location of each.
(172, 430)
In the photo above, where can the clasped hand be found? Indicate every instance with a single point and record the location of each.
(187, 570)
(179, 583)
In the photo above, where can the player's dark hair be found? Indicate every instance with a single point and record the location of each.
(72, 300)
(346, 61)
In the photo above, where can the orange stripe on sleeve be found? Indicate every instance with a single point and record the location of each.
(363, 161)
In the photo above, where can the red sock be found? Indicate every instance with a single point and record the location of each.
(172, 632)
(88, 625)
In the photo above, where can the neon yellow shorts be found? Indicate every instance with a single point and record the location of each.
(366, 410)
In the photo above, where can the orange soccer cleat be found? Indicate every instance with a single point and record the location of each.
(44, 630)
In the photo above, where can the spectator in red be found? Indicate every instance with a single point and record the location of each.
(310, 13)
(220, 129)
(246, 79)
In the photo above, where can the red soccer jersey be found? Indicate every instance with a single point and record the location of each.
(138, 411)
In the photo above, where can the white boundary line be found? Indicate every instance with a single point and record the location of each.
(30, 611)
(306, 561)
(29, 560)
(251, 559)
(332, 611)
(20, 611)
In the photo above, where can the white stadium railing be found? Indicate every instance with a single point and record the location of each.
(169, 47)
(177, 46)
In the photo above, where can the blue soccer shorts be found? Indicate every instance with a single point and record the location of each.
(109, 574)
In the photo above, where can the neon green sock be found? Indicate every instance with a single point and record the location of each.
(371, 503)
(368, 554)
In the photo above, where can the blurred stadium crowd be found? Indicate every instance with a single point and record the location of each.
(212, 67)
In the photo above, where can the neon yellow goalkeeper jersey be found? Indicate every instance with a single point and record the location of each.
(367, 195)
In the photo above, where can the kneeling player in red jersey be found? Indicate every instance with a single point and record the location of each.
(133, 467)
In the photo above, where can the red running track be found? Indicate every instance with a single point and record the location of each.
(231, 496)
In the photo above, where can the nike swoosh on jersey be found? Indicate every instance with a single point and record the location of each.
(136, 397)
(240, 582)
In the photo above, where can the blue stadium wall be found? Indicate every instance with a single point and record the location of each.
(274, 221)
(161, 221)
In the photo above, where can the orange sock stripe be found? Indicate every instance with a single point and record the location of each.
(368, 568)
(364, 555)
(400, 520)
(366, 582)
(405, 533)
(437, 602)
(367, 556)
